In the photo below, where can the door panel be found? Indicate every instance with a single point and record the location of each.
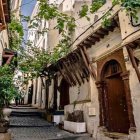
(117, 109)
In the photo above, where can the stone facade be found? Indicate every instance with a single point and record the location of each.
(86, 97)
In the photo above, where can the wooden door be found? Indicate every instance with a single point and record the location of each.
(117, 113)
(64, 93)
(47, 93)
(30, 94)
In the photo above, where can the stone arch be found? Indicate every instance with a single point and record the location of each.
(101, 83)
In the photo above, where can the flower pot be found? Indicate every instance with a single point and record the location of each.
(4, 125)
(137, 53)
(6, 113)
(76, 127)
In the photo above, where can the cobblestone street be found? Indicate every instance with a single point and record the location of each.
(31, 126)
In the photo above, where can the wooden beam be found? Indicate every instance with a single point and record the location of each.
(88, 42)
(97, 35)
(137, 41)
(88, 60)
(104, 30)
(69, 73)
(133, 61)
(64, 76)
(83, 68)
(84, 44)
(85, 61)
(94, 39)
(73, 71)
(76, 67)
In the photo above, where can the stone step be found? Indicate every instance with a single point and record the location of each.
(30, 121)
(22, 107)
(15, 113)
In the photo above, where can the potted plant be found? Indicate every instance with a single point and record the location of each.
(75, 122)
(7, 92)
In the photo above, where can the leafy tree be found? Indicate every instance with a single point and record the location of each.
(33, 60)
(7, 88)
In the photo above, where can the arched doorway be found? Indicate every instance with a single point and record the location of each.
(30, 94)
(114, 99)
(64, 93)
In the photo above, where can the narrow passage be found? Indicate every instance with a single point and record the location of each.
(27, 124)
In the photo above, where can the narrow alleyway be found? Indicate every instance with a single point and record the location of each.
(26, 124)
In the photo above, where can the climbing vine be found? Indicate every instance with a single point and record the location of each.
(16, 33)
(33, 60)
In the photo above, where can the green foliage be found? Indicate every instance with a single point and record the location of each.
(106, 21)
(83, 11)
(96, 5)
(32, 59)
(16, 34)
(131, 6)
(7, 88)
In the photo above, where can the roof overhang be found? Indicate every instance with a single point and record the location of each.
(4, 13)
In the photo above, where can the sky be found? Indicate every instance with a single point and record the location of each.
(26, 10)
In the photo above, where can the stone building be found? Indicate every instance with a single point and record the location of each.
(37, 96)
(4, 19)
(101, 76)
(6, 8)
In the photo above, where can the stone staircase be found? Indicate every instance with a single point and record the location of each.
(27, 117)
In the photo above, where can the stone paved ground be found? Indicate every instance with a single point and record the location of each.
(36, 128)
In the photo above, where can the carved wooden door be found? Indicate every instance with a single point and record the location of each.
(117, 113)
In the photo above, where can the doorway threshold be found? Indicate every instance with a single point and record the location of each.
(115, 135)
